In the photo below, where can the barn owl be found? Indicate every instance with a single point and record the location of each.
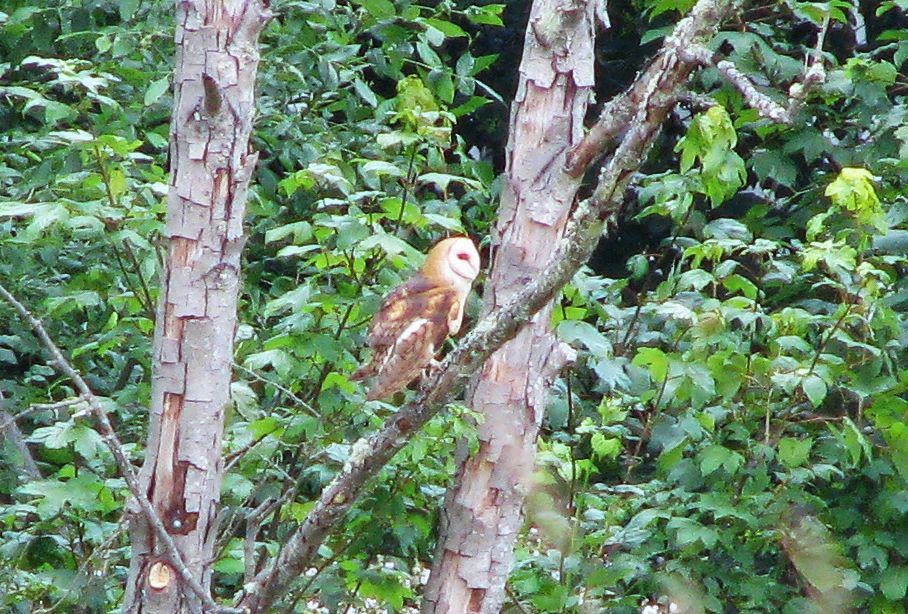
(415, 318)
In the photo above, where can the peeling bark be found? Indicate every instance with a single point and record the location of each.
(483, 512)
(216, 63)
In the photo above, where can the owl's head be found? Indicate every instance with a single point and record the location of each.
(454, 261)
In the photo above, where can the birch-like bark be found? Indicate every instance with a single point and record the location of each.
(483, 511)
(214, 77)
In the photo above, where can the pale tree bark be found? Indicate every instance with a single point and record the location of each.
(483, 512)
(210, 163)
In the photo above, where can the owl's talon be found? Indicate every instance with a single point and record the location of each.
(432, 368)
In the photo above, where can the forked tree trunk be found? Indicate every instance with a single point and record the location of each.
(210, 164)
(483, 512)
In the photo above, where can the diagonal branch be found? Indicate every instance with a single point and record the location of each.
(654, 89)
(682, 52)
(116, 448)
(654, 94)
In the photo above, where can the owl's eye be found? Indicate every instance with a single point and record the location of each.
(463, 256)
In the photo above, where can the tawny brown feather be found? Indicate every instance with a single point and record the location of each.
(415, 318)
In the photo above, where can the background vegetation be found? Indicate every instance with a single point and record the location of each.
(734, 436)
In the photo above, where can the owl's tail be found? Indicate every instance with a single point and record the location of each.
(367, 370)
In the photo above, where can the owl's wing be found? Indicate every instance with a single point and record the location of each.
(410, 326)
(417, 298)
(412, 351)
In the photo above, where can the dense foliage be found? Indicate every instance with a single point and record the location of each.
(734, 435)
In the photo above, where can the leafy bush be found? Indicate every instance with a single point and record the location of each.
(732, 436)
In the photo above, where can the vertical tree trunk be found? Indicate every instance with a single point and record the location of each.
(483, 512)
(210, 164)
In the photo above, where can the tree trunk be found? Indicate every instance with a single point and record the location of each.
(214, 77)
(483, 512)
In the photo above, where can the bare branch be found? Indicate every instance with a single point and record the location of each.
(10, 418)
(757, 100)
(760, 102)
(253, 526)
(301, 403)
(668, 69)
(654, 94)
(684, 51)
(814, 76)
(116, 448)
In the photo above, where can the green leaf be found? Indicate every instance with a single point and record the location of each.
(486, 15)
(655, 360)
(474, 103)
(574, 331)
(855, 442)
(389, 244)
(715, 456)
(814, 388)
(103, 44)
(441, 180)
(300, 231)
(444, 222)
(156, 140)
(443, 83)
(83, 492)
(263, 426)
(87, 441)
(775, 165)
(365, 92)
(853, 191)
(710, 140)
(688, 531)
(293, 300)
(671, 455)
(239, 487)
(894, 582)
(794, 452)
(890, 414)
(447, 28)
(695, 279)
(229, 565)
(128, 8)
(742, 285)
(155, 90)
(380, 9)
(276, 359)
(428, 55)
(605, 447)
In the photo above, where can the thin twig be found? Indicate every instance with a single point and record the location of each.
(41, 407)
(514, 599)
(814, 75)
(110, 438)
(112, 201)
(286, 391)
(253, 526)
(82, 571)
(760, 102)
